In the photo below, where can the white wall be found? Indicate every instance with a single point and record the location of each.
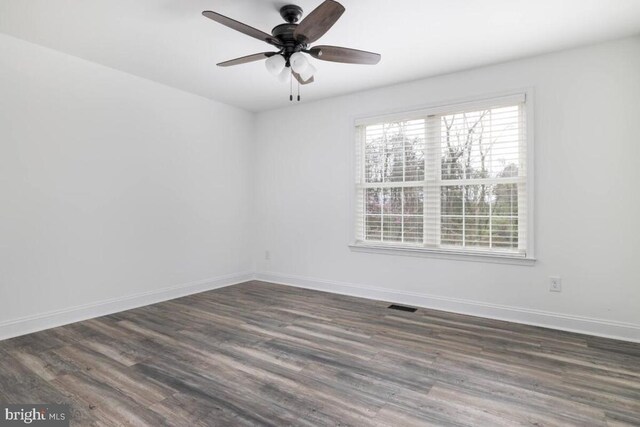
(587, 169)
(116, 191)
(112, 190)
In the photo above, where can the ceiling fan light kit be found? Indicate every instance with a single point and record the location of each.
(285, 75)
(292, 41)
(275, 64)
(308, 72)
(298, 62)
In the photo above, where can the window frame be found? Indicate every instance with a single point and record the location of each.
(423, 111)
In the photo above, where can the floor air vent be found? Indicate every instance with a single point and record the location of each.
(402, 308)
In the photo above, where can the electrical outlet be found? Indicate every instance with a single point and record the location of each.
(267, 255)
(555, 284)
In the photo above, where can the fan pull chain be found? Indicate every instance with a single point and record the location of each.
(291, 86)
(298, 91)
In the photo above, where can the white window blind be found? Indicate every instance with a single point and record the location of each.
(450, 178)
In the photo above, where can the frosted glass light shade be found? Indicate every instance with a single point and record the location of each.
(284, 75)
(275, 64)
(298, 62)
(308, 72)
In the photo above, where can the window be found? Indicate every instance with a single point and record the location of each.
(448, 179)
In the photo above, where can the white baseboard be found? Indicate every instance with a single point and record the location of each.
(571, 323)
(52, 319)
(564, 322)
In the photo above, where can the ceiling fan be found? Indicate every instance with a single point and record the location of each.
(292, 40)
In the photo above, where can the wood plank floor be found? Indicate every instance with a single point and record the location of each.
(264, 354)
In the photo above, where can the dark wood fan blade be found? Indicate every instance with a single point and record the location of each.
(245, 59)
(345, 55)
(243, 28)
(318, 22)
(299, 78)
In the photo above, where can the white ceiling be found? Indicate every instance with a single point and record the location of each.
(169, 41)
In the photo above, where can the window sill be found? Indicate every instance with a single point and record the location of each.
(443, 254)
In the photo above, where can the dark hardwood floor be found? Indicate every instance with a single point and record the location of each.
(264, 354)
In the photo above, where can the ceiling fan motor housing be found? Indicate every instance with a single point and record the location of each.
(285, 32)
(290, 45)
